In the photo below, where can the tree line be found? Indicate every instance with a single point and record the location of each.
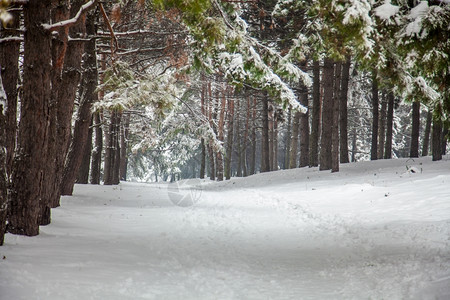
(97, 92)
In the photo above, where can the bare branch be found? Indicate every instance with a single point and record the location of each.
(111, 31)
(70, 22)
(11, 39)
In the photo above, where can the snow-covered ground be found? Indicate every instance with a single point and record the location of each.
(375, 230)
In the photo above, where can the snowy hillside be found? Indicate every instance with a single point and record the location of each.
(375, 230)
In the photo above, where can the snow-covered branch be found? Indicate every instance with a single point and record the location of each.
(70, 22)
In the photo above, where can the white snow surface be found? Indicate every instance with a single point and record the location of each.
(375, 230)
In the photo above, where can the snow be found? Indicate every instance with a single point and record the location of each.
(375, 230)
(386, 11)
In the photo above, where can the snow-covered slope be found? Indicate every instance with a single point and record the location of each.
(375, 230)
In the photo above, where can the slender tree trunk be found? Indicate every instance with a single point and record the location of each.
(414, 148)
(245, 139)
(444, 141)
(315, 123)
(124, 147)
(220, 136)
(287, 143)
(374, 145)
(97, 151)
(389, 126)
(116, 149)
(426, 138)
(327, 116)
(203, 159)
(294, 140)
(9, 62)
(229, 151)
(265, 161)
(84, 115)
(354, 146)
(212, 167)
(382, 129)
(30, 159)
(253, 151)
(271, 146)
(343, 112)
(304, 131)
(83, 173)
(275, 142)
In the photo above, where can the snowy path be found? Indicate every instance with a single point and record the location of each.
(372, 231)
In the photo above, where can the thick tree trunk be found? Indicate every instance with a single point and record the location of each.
(315, 122)
(436, 139)
(374, 144)
(97, 151)
(29, 163)
(414, 147)
(294, 141)
(382, 129)
(88, 97)
(335, 128)
(327, 115)
(83, 173)
(265, 161)
(229, 151)
(389, 126)
(3, 164)
(343, 112)
(9, 62)
(304, 131)
(426, 138)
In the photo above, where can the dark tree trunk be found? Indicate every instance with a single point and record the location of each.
(354, 147)
(374, 144)
(253, 150)
(426, 138)
(229, 151)
(88, 97)
(3, 164)
(343, 113)
(220, 135)
(83, 173)
(97, 151)
(124, 131)
(203, 159)
(382, 129)
(389, 126)
(444, 141)
(238, 139)
(315, 123)
(287, 142)
(304, 131)
(9, 62)
(245, 139)
(327, 115)
(436, 139)
(275, 142)
(294, 141)
(116, 165)
(265, 161)
(30, 159)
(109, 154)
(335, 128)
(414, 147)
(212, 165)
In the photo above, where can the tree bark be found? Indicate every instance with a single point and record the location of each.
(389, 126)
(382, 129)
(275, 141)
(374, 144)
(343, 112)
(265, 161)
(335, 128)
(229, 151)
(253, 137)
(124, 131)
(287, 142)
(414, 147)
(83, 173)
(315, 123)
(30, 160)
(97, 151)
(220, 136)
(426, 138)
(436, 136)
(304, 131)
(294, 140)
(327, 116)
(3, 163)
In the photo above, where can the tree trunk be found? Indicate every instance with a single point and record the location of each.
(9, 62)
(444, 141)
(212, 168)
(294, 140)
(265, 161)
(3, 164)
(382, 129)
(436, 136)
(220, 131)
(83, 173)
(335, 128)
(389, 126)
(124, 147)
(97, 151)
(275, 142)
(287, 142)
(414, 148)
(304, 131)
(327, 116)
(270, 122)
(203, 159)
(374, 144)
(116, 149)
(229, 151)
(315, 123)
(354, 146)
(253, 151)
(426, 138)
(30, 160)
(245, 139)
(343, 112)
(84, 115)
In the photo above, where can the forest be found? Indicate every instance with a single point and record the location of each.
(150, 90)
